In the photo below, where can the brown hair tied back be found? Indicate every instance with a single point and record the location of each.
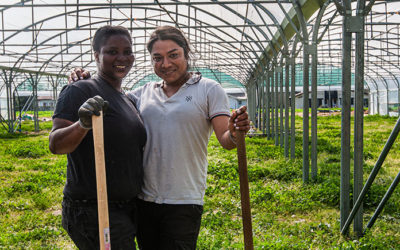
(169, 33)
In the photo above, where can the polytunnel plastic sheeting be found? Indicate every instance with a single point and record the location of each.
(54, 36)
(384, 102)
(381, 46)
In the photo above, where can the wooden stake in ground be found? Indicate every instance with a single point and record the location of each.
(244, 190)
(102, 202)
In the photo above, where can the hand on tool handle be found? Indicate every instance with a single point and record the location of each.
(89, 108)
(239, 120)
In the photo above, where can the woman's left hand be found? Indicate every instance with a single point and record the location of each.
(239, 120)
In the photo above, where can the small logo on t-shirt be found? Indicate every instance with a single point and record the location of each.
(188, 98)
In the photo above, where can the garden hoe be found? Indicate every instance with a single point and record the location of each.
(244, 191)
(104, 228)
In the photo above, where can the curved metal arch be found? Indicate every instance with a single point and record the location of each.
(334, 15)
(377, 93)
(374, 81)
(289, 20)
(368, 82)
(317, 23)
(82, 53)
(302, 21)
(384, 69)
(99, 8)
(273, 48)
(278, 26)
(74, 11)
(246, 20)
(222, 20)
(380, 58)
(16, 4)
(378, 74)
(64, 32)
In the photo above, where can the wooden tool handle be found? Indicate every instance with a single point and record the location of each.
(244, 190)
(102, 202)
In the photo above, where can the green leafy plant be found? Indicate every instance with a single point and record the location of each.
(286, 213)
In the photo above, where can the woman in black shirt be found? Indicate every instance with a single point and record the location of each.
(124, 139)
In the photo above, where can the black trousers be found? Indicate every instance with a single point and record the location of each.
(167, 226)
(80, 220)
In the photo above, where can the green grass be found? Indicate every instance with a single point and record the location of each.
(40, 113)
(286, 213)
(31, 184)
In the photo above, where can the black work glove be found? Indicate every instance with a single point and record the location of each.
(89, 108)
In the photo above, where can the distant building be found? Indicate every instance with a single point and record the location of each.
(328, 97)
(46, 103)
(24, 102)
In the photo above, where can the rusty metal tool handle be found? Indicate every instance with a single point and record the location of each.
(102, 201)
(244, 190)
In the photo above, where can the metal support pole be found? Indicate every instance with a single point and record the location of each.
(359, 119)
(293, 102)
(260, 104)
(251, 97)
(268, 104)
(314, 91)
(281, 102)
(377, 95)
(383, 202)
(387, 101)
(314, 86)
(34, 82)
(372, 175)
(272, 102)
(306, 132)
(10, 102)
(255, 100)
(276, 82)
(387, 94)
(306, 67)
(264, 103)
(398, 94)
(378, 102)
(287, 106)
(346, 130)
(398, 101)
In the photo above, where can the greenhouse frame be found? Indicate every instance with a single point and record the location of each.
(284, 53)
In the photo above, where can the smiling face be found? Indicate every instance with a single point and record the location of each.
(169, 62)
(115, 59)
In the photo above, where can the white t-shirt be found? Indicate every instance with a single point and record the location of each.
(178, 130)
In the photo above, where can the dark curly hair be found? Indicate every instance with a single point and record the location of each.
(103, 33)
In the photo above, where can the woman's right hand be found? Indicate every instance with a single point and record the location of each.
(78, 74)
(91, 107)
(65, 136)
